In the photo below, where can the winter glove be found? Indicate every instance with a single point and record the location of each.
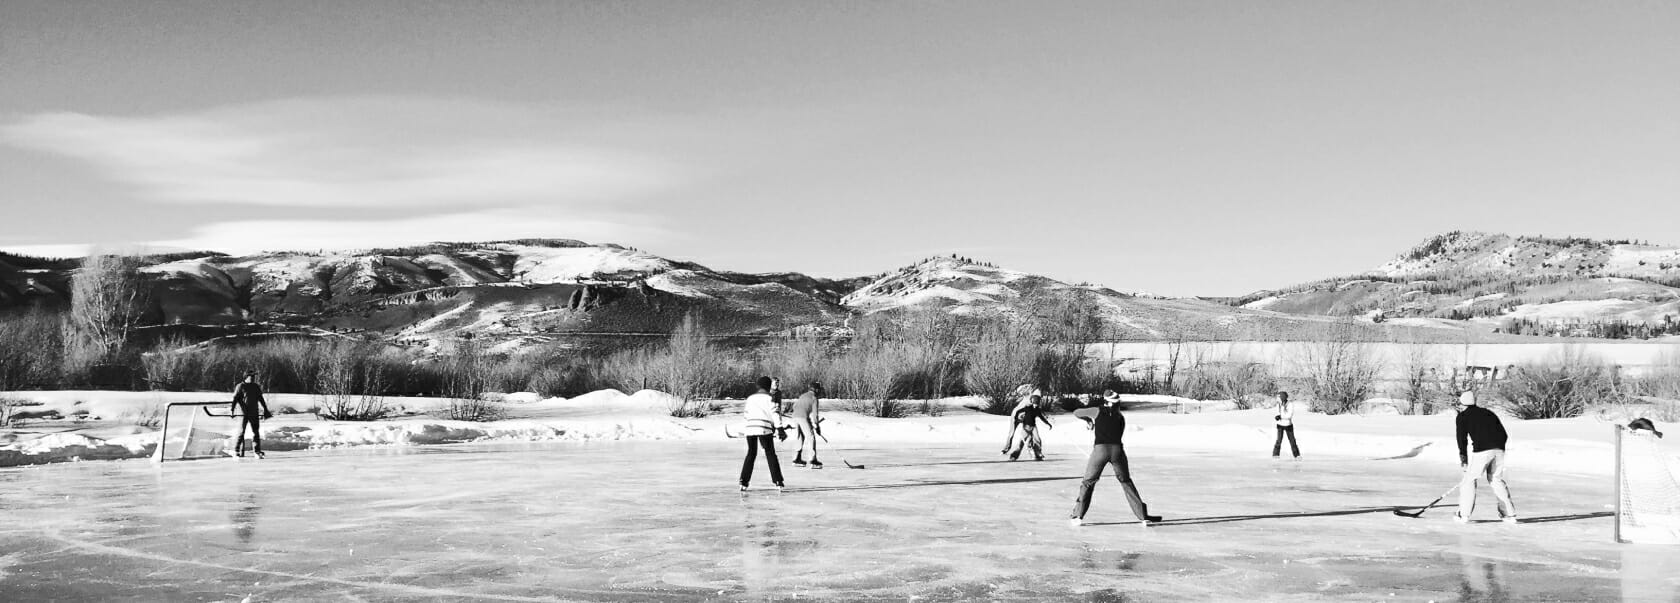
(267, 415)
(1277, 417)
(781, 434)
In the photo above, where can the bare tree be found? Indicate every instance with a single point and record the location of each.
(693, 368)
(466, 371)
(1422, 384)
(1000, 360)
(798, 361)
(1341, 369)
(870, 368)
(30, 343)
(107, 301)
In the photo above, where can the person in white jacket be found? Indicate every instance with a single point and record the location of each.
(1285, 419)
(763, 424)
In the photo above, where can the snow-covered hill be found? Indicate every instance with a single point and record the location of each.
(516, 292)
(1525, 284)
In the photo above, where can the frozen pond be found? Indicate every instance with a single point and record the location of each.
(663, 521)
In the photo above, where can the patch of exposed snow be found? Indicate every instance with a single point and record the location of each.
(667, 282)
(569, 264)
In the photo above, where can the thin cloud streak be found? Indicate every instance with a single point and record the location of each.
(349, 153)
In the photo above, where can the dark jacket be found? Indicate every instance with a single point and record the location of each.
(1482, 426)
(1106, 421)
(248, 395)
(1030, 415)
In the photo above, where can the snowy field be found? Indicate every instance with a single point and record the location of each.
(602, 498)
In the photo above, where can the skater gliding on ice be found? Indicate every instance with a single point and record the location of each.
(1025, 417)
(763, 423)
(806, 418)
(1285, 419)
(247, 396)
(1107, 449)
(1483, 428)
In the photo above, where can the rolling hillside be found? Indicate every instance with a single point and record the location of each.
(1538, 285)
(519, 292)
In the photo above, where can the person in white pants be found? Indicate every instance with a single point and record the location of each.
(1486, 459)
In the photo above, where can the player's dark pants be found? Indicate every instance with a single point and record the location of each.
(768, 442)
(249, 418)
(1103, 455)
(1278, 445)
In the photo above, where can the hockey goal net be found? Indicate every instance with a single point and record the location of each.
(196, 430)
(1647, 489)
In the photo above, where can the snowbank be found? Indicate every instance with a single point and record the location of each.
(1154, 423)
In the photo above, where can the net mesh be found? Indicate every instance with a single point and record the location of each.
(190, 432)
(1649, 508)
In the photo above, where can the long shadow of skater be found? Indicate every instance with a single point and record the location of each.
(1190, 521)
(1552, 518)
(923, 483)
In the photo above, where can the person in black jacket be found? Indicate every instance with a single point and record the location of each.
(1485, 459)
(1106, 449)
(247, 396)
(1027, 415)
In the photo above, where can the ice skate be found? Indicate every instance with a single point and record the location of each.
(816, 464)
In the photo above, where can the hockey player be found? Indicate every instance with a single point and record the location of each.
(763, 424)
(1028, 399)
(247, 397)
(1106, 449)
(1025, 418)
(807, 420)
(1285, 420)
(1481, 426)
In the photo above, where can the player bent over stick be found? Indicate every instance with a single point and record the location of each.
(808, 420)
(246, 397)
(1106, 449)
(1483, 428)
(763, 423)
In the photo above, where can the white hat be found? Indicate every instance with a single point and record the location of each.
(1468, 398)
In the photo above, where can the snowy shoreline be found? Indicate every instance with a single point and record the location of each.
(1582, 445)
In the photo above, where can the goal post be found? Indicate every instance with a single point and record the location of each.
(1647, 490)
(195, 430)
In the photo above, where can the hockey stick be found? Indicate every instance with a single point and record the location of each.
(1427, 507)
(849, 464)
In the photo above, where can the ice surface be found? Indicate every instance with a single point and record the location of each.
(663, 521)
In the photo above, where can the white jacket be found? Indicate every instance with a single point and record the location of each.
(760, 414)
(1286, 415)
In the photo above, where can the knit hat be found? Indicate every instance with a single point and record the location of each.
(1644, 423)
(1467, 397)
(764, 383)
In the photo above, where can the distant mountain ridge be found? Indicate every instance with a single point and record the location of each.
(1528, 284)
(533, 290)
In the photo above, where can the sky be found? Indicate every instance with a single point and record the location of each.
(1174, 147)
